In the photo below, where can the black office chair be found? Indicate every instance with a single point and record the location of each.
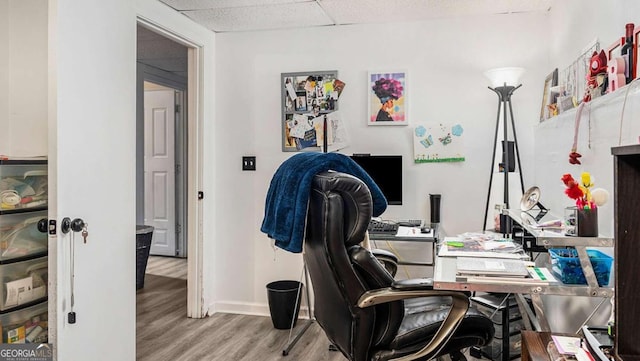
(363, 311)
(388, 259)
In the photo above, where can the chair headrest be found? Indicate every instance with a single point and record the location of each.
(358, 205)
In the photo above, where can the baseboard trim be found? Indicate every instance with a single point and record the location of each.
(252, 309)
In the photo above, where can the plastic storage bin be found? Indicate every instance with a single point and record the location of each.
(23, 185)
(20, 235)
(23, 282)
(28, 325)
(565, 265)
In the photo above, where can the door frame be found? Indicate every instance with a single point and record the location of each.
(194, 168)
(181, 159)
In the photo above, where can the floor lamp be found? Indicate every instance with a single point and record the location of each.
(504, 82)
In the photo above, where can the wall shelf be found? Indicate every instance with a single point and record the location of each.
(629, 91)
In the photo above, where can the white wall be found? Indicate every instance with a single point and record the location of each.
(574, 24)
(446, 83)
(23, 78)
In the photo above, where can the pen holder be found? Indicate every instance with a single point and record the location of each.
(570, 221)
(587, 222)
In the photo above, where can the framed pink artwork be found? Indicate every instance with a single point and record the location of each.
(613, 51)
(387, 98)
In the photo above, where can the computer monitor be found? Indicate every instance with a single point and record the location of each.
(386, 171)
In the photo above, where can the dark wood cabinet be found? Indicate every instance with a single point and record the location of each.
(626, 170)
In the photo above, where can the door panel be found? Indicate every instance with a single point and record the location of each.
(91, 150)
(159, 170)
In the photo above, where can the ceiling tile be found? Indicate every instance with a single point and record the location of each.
(278, 16)
(376, 11)
(220, 4)
(246, 15)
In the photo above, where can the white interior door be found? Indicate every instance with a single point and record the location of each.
(159, 170)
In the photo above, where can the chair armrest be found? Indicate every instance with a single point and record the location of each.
(459, 307)
(397, 293)
(413, 284)
(383, 253)
(388, 260)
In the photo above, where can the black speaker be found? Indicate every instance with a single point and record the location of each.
(434, 202)
(512, 157)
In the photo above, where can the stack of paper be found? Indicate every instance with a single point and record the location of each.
(491, 267)
(457, 247)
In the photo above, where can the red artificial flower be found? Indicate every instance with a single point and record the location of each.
(573, 188)
(574, 191)
(567, 179)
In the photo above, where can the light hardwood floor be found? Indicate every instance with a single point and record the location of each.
(164, 333)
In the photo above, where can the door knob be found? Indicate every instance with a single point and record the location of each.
(78, 225)
(43, 225)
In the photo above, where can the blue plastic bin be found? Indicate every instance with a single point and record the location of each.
(565, 265)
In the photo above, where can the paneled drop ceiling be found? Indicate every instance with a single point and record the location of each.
(251, 15)
(254, 15)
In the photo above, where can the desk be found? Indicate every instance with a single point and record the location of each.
(445, 278)
(374, 237)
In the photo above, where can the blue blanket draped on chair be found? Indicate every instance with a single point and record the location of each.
(286, 204)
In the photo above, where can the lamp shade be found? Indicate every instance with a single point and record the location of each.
(501, 76)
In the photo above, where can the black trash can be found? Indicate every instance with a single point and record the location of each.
(144, 234)
(282, 297)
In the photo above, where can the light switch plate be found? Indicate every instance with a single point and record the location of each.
(249, 163)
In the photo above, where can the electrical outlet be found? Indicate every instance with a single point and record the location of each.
(249, 163)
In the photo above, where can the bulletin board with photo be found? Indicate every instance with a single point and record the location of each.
(306, 96)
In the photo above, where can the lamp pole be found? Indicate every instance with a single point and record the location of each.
(504, 99)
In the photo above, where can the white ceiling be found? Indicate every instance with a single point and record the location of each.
(250, 15)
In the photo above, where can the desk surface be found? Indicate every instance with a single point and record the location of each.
(445, 278)
(380, 236)
(391, 237)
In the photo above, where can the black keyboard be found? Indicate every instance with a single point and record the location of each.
(382, 227)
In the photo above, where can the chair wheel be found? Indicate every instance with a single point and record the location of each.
(332, 347)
